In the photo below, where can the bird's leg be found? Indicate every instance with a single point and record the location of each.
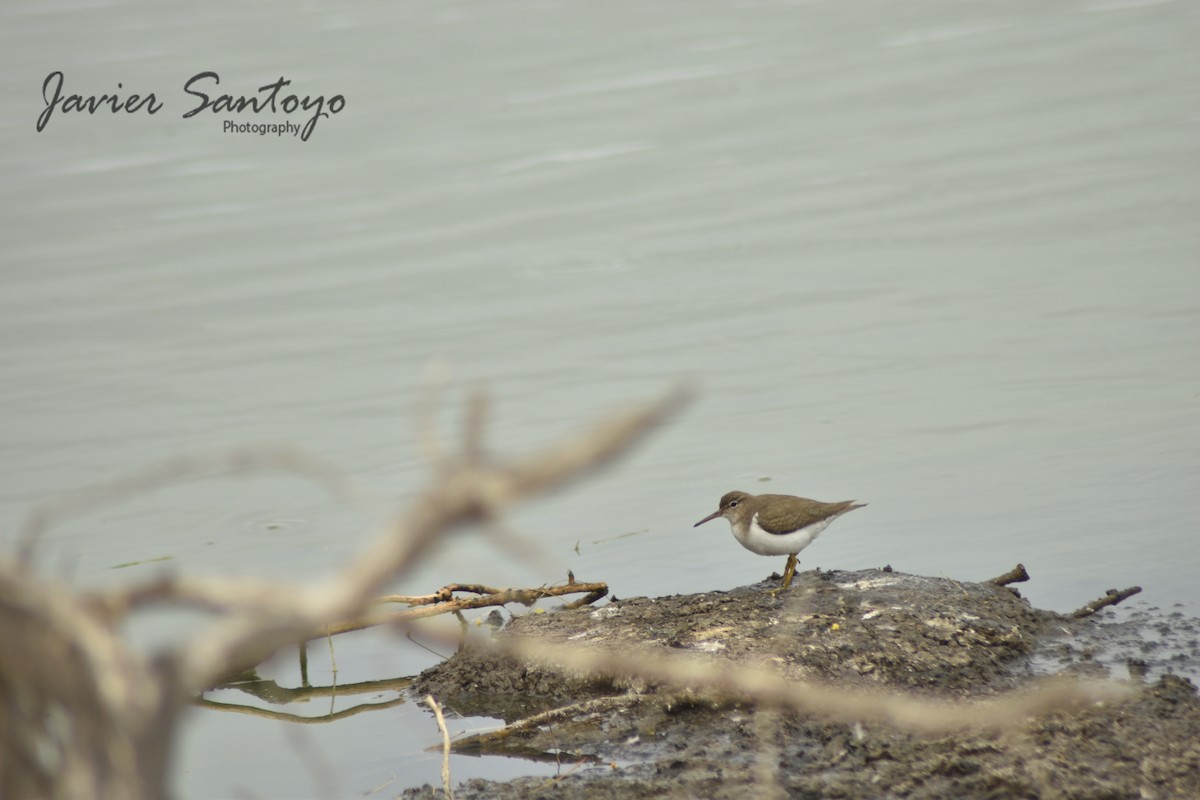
(789, 571)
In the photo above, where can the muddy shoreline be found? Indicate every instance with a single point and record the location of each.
(623, 737)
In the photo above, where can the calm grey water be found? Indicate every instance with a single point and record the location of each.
(938, 257)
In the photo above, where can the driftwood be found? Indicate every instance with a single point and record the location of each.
(444, 602)
(1015, 575)
(1110, 598)
(83, 714)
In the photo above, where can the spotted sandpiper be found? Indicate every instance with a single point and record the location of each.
(775, 524)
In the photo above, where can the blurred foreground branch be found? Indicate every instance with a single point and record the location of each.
(764, 685)
(83, 714)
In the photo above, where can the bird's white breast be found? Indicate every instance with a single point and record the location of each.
(757, 540)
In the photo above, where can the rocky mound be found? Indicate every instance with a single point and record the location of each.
(624, 737)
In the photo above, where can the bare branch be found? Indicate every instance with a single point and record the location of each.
(497, 597)
(1111, 598)
(587, 599)
(1015, 575)
(440, 596)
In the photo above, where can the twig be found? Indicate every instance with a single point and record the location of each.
(497, 597)
(440, 596)
(381, 786)
(587, 600)
(956, 583)
(1015, 575)
(441, 722)
(1110, 598)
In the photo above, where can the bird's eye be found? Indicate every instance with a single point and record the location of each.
(733, 503)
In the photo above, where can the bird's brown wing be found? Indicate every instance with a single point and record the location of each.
(796, 512)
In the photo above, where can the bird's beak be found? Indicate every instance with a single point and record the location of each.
(713, 515)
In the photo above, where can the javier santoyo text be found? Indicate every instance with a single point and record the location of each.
(202, 87)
